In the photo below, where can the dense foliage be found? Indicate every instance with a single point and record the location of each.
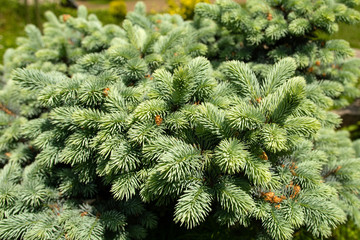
(262, 32)
(105, 129)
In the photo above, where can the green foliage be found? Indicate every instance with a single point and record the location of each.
(348, 32)
(13, 20)
(264, 32)
(105, 129)
(118, 9)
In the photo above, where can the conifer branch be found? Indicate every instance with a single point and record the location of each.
(225, 117)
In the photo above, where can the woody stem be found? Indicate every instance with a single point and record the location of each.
(6, 110)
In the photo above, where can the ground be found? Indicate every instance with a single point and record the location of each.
(357, 52)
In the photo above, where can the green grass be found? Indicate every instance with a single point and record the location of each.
(349, 33)
(11, 26)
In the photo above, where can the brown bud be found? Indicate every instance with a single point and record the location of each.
(268, 199)
(337, 169)
(269, 17)
(264, 156)
(106, 91)
(158, 120)
(84, 214)
(65, 17)
(318, 63)
(277, 199)
(292, 165)
(269, 194)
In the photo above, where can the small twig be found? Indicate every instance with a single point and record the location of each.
(6, 110)
(332, 172)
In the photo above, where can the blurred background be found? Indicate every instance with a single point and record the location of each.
(15, 14)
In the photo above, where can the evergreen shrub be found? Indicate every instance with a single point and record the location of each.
(262, 32)
(107, 129)
(118, 9)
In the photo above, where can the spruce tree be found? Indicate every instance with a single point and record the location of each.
(262, 32)
(97, 145)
